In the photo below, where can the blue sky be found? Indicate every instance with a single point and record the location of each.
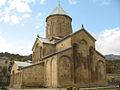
(22, 20)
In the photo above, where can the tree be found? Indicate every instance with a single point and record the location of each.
(4, 70)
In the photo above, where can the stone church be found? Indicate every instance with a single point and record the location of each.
(64, 58)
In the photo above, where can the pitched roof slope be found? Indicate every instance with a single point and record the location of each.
(58, 10)
(22, 64)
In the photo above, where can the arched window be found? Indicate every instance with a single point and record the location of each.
(65, 73)
(60, 27)
(75, 50)
(83, 47)
(100, 70)
(48, 29)
(91, 50)
(75, 47)
(37, 53)
(40, 52)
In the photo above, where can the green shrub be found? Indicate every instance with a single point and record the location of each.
(4, 88)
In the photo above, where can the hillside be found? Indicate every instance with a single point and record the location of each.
(16, 57)
(113, 63)
(112, 57)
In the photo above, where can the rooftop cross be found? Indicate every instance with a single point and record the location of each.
(58, 2)
(82, 26)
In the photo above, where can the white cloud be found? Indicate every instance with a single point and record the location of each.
(20, 47)
(13, 11)
(19, 6)
(109, 41)
(2, 2)
(39, 14)
(15, 19)
(2, 43)
(42, 1)
(25, 15)
(73, 1)
(5, 18)
(16, 9)
(37, 27)
(39, 21)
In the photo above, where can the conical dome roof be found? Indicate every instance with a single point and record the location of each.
(59, 10)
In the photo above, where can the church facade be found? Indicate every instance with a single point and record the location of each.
(63, 58)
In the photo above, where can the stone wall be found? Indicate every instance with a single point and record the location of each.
(16, 80)
(66, 43)
(51, 78)
(14, 69)
(33, 76)
(100, 68)
(37, 51)
(58, 25)
(83, 35)
(65, 68)
(48, 49)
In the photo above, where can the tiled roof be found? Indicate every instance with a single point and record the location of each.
(22, 64)
(45, 40)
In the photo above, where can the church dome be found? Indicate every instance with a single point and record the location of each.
(59, 10)
(58, 23)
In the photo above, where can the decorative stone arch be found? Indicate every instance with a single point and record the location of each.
(100, 70)
(91, 58)
(48, 70)
(83, 47)
(64, 70)
(65, 56)
(37, 54)
(75, 47)
(49, 65)
(37, 45)
(75, 44)
(83, 41)
(91, 50)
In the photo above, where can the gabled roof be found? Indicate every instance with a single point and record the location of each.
(43, 40)
(82, 29)
(22, 64)
(100, 54)
(59, 10)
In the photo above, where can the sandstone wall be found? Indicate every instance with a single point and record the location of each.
(16, 80)
(66, 43)
(48, 49)
(100, 68)
(37, 51)
(65, 68)
(51, 78)
(81, 35)
(33, 76)
(58, 25)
